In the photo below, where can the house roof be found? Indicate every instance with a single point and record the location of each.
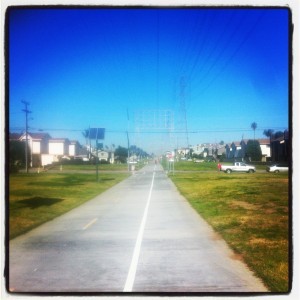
(261, 142)
(14, 136)
(59, 140)
(39, 135)
(264, 141)
(222, 147)
(36, 135)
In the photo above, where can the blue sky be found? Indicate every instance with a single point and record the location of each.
(86, 67)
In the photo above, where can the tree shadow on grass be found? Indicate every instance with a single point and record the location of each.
(36, 202)
(59, 182)
(68, 181)
(106, 179)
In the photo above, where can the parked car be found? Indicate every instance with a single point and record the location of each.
(238, 167)
(199, 160)
(278, 168)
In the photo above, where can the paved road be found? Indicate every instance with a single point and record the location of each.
(139, 236)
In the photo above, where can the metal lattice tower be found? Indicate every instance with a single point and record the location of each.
(182, 119)
(156, 125)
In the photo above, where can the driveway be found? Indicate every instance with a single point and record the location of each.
(139, 236)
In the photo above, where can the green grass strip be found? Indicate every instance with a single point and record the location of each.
(37, 198)
(250, 211)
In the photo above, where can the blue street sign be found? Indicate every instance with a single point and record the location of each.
(96, 133)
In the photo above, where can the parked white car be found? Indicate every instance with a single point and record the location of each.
(278, 168)
(238, 167)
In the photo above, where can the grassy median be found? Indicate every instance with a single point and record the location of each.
(38, 198)
(250, 211)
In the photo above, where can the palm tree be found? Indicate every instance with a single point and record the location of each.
(85, 133)
(268, 133)
(254, 126)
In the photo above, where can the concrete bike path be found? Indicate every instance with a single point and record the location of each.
(139, 236)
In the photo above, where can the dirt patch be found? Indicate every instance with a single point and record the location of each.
(216, 237)
(236, 256)
(244, 204)
(270, 211)
(260, 241)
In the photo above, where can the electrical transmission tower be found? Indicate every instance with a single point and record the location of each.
(182, 119)
(26, 131)
(155, 124)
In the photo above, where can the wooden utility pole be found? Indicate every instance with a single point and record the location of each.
(26, 131)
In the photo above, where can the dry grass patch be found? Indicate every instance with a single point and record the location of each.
(243, 204)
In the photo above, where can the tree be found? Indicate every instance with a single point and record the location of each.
(254, 126)
(134, 150)
(121, 153)
(253, 151)
(278, 134)
(268, 132)
(17, 155)
(85, 133)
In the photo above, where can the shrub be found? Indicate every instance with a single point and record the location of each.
(253, 151)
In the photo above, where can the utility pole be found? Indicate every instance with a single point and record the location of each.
(26, 131)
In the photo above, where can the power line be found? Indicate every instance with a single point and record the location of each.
(220, 54)
(157, 60)
(195, 40)
(216, 44)
(234, 53)
(161, 131)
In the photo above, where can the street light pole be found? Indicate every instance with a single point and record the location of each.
(128, 156)
(97, 157)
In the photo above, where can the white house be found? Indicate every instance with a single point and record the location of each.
(59, 147)
(198, 149)
(103, 155)
(45, 150)
(38, 145)
(183, 151)
(265, 148)
(73, 148)
(108, 156)
(37, 142)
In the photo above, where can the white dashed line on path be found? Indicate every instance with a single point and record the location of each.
(90, 224)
